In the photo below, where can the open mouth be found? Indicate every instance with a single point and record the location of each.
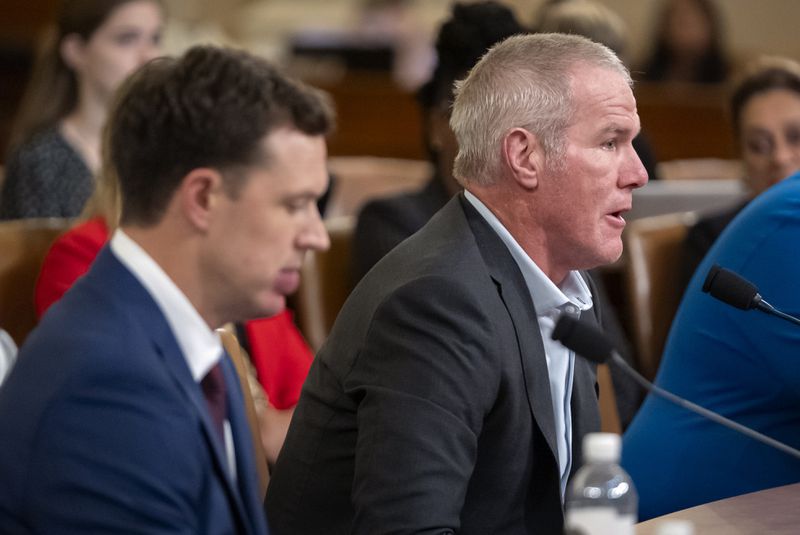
(617, 217)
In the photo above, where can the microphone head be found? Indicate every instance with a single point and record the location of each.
(730, 288)
(585, 339)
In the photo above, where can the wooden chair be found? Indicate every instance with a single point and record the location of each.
(325, 283)
(23, 246)
(240, 362)
(609, 414)
(361, 178)
(685, 120)
(653, 246)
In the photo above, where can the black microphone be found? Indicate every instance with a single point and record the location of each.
(737, 291)
(587, 340)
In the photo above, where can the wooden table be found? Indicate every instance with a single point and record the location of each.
(767, 512)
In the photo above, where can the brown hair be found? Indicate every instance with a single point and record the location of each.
(52, 91)
(210, 108)
(763, 74)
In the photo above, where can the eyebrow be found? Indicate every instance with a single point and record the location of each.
(616, 128)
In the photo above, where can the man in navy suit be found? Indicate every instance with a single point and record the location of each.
(439, 403)
(124, 413)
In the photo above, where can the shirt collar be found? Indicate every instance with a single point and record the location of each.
(201, 346)
(573, 289)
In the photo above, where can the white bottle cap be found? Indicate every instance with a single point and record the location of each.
(675, 527)
(601, 447)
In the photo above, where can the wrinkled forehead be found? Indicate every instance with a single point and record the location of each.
(598, 87)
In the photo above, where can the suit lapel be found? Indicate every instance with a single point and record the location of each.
(516, 297)
(136, 296)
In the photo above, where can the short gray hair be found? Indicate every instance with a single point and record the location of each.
(522, 82)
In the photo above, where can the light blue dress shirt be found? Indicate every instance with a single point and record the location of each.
(572, 297)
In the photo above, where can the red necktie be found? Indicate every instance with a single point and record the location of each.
(213, 385)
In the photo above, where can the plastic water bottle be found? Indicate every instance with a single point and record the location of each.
(601, 498)
(675, 527)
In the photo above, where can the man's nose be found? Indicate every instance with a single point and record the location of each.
(315, 237)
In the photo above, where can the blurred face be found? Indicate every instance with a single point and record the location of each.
(257, 240)
(446, 145)
(688, 29)
(770, 137)
(127, 39)
(582, 198)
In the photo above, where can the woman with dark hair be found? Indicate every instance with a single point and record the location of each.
(55, 145)
(689, 44)
(765, 112)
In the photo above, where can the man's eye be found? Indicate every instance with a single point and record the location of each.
(297, 206)
(611, 144)
(127, 38)
(760, 145)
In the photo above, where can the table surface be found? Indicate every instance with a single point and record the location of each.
(767, 512)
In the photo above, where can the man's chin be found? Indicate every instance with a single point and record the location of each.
(270, 306)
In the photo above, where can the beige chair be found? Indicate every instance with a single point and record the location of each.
(239, 359)
(23, 246)
(325, 283)
(609, 414)
(653, 246)
(361, 178)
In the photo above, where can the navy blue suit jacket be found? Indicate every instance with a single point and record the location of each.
(103, 429)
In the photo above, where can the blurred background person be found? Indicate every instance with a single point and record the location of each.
(689, 44)
(55, 144)
(588, 18)
(765, 113)
(396, 23)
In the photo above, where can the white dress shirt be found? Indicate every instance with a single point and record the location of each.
(200, 345)
(572, 297)
(8, 354)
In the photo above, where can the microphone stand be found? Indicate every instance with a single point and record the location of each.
(769, 309)
(702, 411)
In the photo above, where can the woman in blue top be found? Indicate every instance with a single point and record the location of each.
(742, 364)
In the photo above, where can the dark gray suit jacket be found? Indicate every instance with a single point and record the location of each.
(428, 410)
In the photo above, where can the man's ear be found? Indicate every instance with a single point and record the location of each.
(524, 157)
(72, 51)
(198, 193)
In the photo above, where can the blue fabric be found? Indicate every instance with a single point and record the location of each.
(742, 364)
(105, 431)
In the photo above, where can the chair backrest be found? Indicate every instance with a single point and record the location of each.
(23, 246)
(653, 246)
(239, 359)
(685, 120)
(361, 178)
(609, 413)
(325, 282)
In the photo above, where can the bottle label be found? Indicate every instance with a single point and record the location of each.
(598, 521)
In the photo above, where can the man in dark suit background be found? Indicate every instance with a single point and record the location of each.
(123, 413)
(439, 404)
